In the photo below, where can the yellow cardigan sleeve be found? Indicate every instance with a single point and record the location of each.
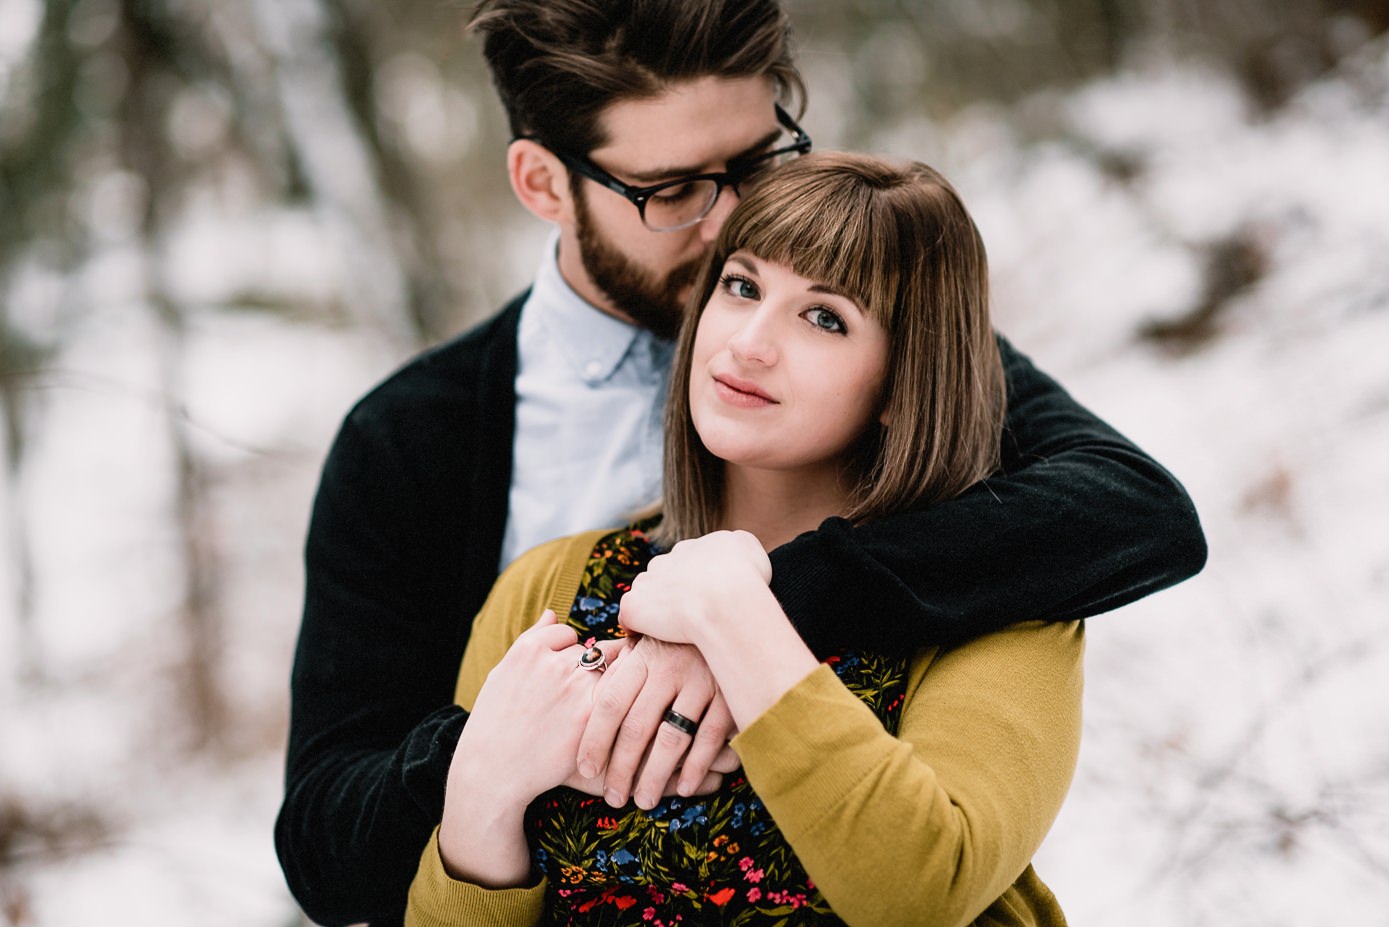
(935, 825)
(546, 577)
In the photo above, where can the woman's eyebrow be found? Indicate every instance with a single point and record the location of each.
(742, 262)
(832, 291)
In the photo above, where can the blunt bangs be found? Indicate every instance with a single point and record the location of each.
(896, 238)
(824, 226)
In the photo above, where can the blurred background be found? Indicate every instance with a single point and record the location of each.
(222, 222)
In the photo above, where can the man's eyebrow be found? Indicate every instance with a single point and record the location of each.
(678, 171)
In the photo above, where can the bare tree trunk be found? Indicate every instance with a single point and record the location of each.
(30, 164)
(150, 46)
(201, 617)
(12, 396)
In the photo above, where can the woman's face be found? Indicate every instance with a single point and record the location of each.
(785, 374)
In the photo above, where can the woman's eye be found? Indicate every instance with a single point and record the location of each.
(739, 287)
(825, 319)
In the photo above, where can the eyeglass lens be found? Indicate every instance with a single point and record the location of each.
(686, 203)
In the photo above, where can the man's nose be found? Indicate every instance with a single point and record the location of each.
(723, 207)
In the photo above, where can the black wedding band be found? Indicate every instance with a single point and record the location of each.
(680, 722)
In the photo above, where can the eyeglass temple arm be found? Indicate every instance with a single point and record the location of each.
(578, 166)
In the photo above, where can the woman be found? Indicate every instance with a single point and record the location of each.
(841, 363)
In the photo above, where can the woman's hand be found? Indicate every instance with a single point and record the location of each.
(525, 725)
(714, 592)
(701, 581)
(521, 739)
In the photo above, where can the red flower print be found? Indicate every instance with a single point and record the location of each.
(722, 897)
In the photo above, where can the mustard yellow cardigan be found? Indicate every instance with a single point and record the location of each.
(936, 826)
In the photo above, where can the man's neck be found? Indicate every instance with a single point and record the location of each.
(572, 272)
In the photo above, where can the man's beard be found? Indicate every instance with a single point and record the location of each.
(655, 304)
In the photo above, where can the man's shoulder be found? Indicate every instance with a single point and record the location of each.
(463, 372)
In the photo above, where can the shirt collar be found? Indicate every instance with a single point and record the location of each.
(593, 343)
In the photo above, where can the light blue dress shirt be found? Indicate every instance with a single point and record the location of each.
(590, 395)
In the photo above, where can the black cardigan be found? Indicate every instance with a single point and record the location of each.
(406, 536)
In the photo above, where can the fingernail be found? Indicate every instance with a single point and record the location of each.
(614, 798)
(587, 769)
(684, 789)
(644, 802)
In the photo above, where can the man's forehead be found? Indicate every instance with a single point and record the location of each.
(694, 126)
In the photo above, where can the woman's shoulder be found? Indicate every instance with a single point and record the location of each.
(548, 574)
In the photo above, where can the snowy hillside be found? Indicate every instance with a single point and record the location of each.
(1212, 280)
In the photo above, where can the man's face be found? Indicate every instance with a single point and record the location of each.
(607, 254)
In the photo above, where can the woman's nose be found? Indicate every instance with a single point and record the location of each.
(755, 341)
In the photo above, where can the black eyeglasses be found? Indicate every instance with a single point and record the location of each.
(680, 203)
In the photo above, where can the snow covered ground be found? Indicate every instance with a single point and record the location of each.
(1235, 766)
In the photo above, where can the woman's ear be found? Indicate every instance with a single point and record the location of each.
(539, 180)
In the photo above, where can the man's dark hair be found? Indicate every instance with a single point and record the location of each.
(558, 64)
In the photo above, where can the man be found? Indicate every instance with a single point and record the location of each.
(635, 124)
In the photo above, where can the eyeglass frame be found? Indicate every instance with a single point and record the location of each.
(638, 196)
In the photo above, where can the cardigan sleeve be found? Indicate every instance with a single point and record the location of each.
(1080, 521)
(934, 825)
(438, 900)
(371, 731)
(545, 577)
(402, 547)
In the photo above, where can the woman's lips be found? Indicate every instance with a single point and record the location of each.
(741, 393)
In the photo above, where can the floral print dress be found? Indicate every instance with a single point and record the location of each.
(704, 860)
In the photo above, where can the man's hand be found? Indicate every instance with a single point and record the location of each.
(626, 741)
(686, 593)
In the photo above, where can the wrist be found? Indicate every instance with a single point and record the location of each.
(755, 655)
(476, 779)
(735, 609)
(484, 843)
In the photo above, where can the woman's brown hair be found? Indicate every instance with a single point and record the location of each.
(897, 239)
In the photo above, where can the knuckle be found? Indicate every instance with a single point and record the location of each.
(719, 718)
(632, 731)
(710, 736)
(609, 704)
(670, 738)
(666, 668)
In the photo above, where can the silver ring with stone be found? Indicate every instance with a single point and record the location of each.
(593, 659)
